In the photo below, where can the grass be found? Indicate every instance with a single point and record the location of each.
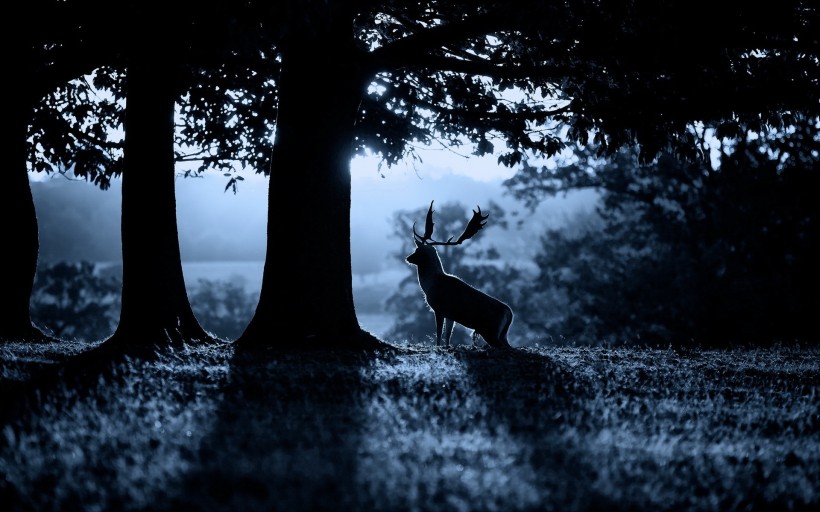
(544, 428)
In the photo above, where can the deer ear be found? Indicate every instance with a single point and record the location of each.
(417, 243)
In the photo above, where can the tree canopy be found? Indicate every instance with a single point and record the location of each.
(625, 73)
(517, 79)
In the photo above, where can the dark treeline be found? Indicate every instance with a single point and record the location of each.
(701, 256)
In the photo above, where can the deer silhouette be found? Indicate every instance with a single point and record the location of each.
(450, 298)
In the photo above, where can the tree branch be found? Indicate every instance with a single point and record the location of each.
(431, 39)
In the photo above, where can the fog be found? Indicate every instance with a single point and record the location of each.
(222, 235)
(80, 222)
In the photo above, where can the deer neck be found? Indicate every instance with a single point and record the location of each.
(429, 271)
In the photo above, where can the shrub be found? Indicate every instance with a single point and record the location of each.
(223, 307)
(73, 301)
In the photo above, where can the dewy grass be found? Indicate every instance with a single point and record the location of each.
(117, 444)
(421, 429)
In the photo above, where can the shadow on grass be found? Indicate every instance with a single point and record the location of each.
(537, 401)
(101, 429)
(286, 435)
(31, 373)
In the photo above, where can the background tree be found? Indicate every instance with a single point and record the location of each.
(223, 307)
(78, 300)
(682, 252)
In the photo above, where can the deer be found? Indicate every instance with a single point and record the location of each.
(450, 298)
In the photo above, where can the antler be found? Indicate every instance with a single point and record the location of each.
(476, 223)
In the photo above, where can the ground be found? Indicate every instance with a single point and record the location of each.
(539, 428)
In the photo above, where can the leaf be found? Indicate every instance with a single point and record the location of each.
(484, 147)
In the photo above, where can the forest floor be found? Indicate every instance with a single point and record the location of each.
(416, 429)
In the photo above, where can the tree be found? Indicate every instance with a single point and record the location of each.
(306, 287)
(154, 303)
(682, 252)
(152, 75)
(46, 54)
(155, 307)
(383, 76)
(21, 242)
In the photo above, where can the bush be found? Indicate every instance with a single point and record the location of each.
(71, 300)
(223, 307)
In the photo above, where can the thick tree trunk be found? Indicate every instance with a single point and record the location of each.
(19, 242)
(306, 299)
(155, 307)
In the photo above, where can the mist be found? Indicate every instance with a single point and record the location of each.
(79, 222)
(222, 234)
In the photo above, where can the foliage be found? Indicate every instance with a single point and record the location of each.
(74, 301)
(524, 77)
(488, 74)
(75, 130)
(223, 84)
(475, 262)
(680, 252)
(223, 307)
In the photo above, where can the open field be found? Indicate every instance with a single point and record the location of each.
(545, 428)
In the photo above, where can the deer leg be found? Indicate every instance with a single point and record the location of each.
(448, 331)
(439, 325)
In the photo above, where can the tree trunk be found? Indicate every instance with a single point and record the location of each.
(306, 299)
(155, 307)
(20, 242)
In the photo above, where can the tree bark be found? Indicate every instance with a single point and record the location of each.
(155, 306)
(20, 241)
(306, 299)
